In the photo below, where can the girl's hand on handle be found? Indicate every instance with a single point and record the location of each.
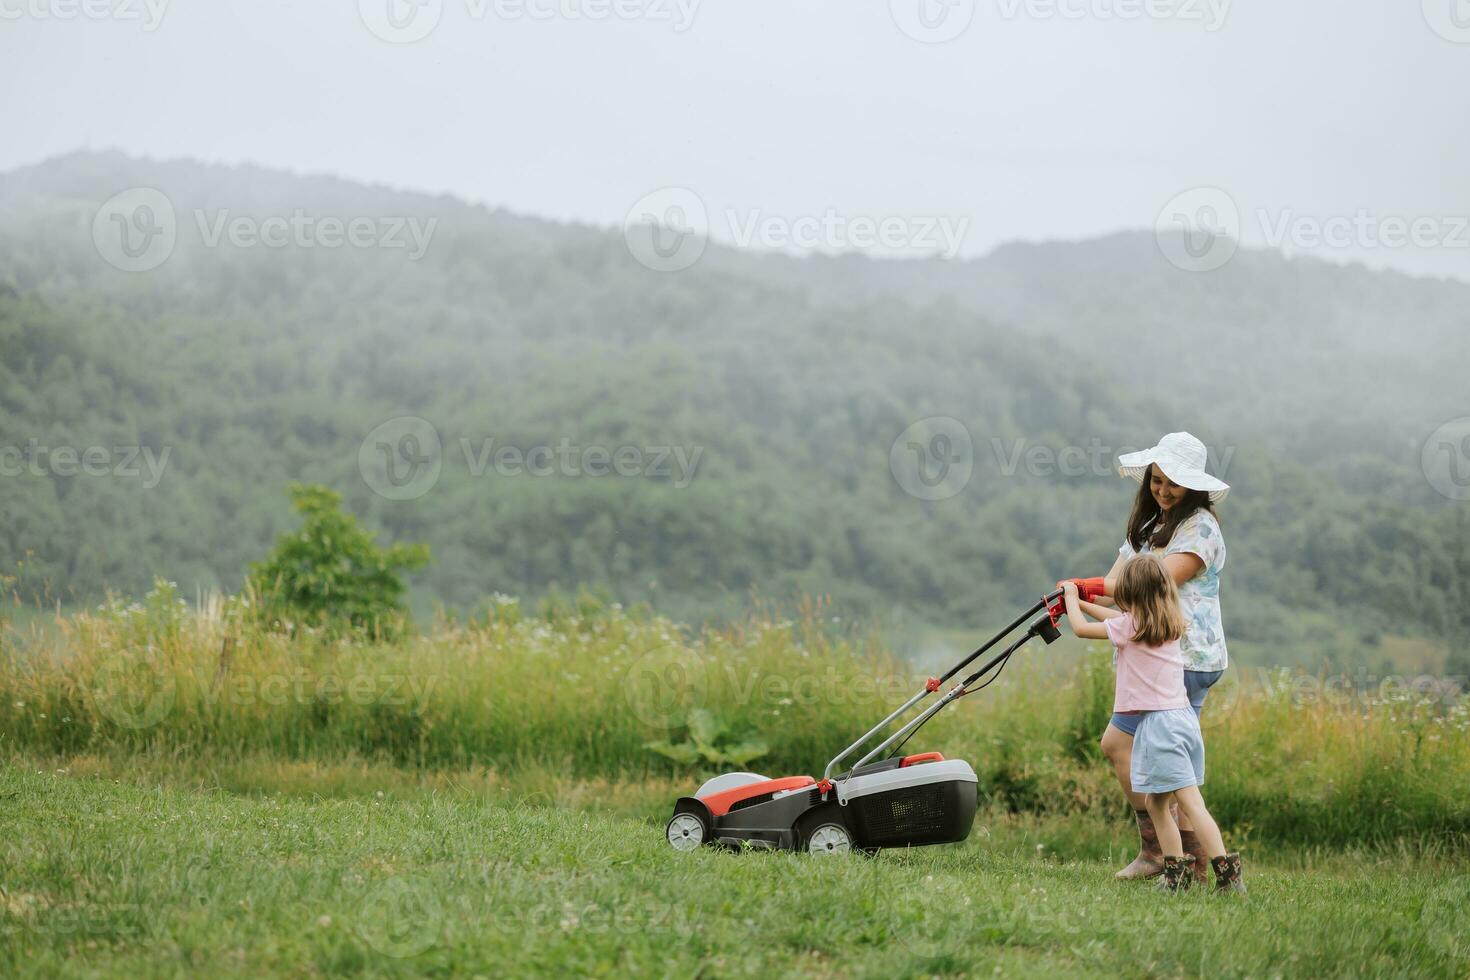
(1089, 588)
(1081, 628)
(1071, 599)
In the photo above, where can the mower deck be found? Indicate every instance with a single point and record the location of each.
(900, 802)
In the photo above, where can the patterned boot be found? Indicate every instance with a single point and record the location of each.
(1227, 873)
(1178, 874)
(1150, 860)
(1193, 847)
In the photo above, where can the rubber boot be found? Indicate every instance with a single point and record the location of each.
(1195, 849)
(1227, 873)
(1150, 860)
(1178, 874)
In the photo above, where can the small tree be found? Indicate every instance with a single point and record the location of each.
(331, 571)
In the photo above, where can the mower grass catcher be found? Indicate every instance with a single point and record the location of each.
(899, 801)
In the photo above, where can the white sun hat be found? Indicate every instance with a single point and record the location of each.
(1181, 457)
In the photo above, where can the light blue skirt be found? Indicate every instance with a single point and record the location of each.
(1168, 752)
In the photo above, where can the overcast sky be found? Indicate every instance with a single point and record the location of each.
(1014, 119)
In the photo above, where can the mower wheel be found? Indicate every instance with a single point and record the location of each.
(687, 831)
(828, 838)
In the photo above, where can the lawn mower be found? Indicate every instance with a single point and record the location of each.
(898, 801)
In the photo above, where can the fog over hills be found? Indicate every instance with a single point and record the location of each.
(783, 383)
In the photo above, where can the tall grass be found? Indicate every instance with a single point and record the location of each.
(585, 690)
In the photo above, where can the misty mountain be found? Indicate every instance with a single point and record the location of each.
(773, 390)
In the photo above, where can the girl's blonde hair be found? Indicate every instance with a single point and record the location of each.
(1146, 590)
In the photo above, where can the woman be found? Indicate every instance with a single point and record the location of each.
(1173, 517)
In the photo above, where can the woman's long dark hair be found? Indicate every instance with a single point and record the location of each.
(1144, 523)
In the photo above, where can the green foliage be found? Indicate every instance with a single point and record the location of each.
(330, 572)
(618, 698)
(1092, 707)
(710, 742)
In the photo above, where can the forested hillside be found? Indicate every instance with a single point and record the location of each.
(241, 369)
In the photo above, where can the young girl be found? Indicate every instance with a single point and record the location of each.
(1168, 750)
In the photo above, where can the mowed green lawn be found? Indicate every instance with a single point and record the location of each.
(103, 878)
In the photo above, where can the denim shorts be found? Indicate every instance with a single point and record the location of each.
(1197, 684)
(1168, 752)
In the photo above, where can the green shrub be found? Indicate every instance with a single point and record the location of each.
(331, 573)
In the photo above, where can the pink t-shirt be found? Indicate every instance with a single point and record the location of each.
(1149, 678)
